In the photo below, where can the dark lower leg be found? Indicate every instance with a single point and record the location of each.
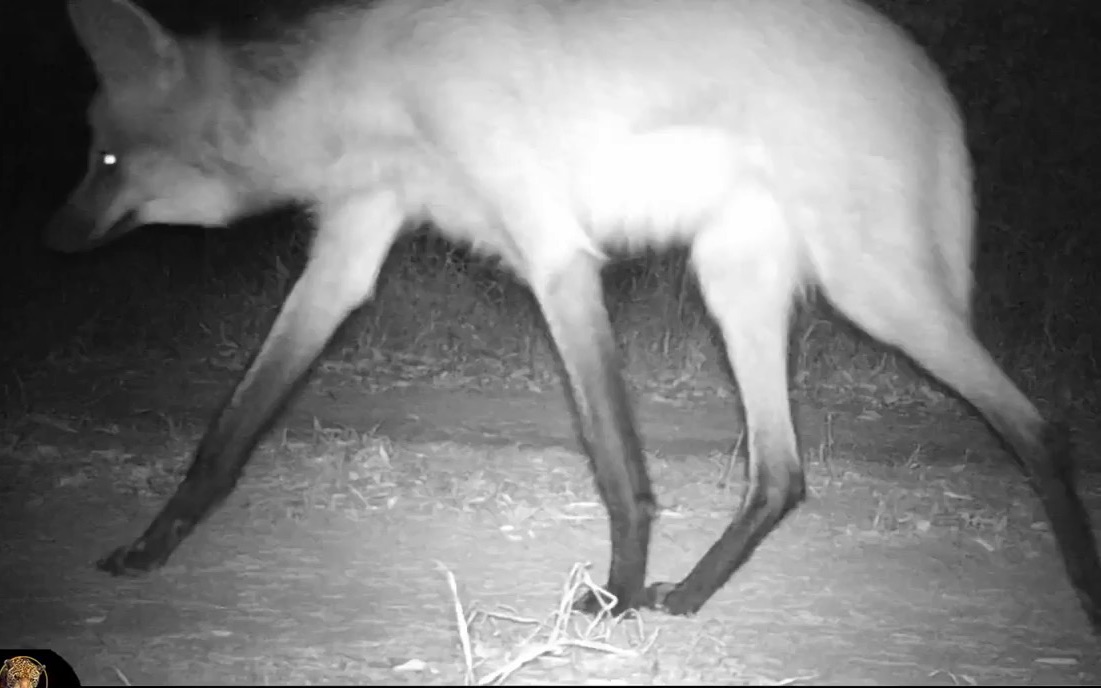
(777, 487)
(352, 241)
(573, 306)
(220, 458)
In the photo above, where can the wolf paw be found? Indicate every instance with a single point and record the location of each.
(671, 599)
(129, 561)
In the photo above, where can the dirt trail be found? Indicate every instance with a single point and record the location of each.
(921, 568)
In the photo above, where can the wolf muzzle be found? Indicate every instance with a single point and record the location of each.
(71, 230)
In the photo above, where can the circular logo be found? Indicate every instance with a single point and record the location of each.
(23, 672)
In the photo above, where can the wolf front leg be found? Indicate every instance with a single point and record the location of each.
(352, 241)
(572, 301)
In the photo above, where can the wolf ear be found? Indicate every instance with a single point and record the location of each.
(126, 45)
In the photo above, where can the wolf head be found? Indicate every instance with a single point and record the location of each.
(155, 152)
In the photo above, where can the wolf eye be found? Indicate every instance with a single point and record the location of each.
(108, 159)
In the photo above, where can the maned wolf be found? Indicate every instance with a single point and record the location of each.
(792, 144)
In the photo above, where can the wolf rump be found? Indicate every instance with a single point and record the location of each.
(791, 143)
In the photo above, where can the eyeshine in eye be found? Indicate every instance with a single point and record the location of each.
(108, 159)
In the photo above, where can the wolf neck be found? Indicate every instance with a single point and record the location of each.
(232, 89)
(285, 131)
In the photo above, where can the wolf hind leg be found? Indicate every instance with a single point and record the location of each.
(747, 267)
(901, 303)
(563, 271)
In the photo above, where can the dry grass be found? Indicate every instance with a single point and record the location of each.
(563, 630)
(527, 496)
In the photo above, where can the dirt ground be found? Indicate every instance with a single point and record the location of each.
(921, 558)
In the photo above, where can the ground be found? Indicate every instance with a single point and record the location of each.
(920, 557)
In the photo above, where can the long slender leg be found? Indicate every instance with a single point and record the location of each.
(909, 311)
(746, 276)
(351, 244)
(572, 301)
